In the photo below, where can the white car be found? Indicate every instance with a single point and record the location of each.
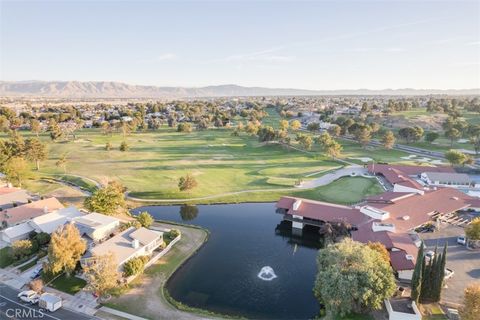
(429, 254)
(462, 240)
(29, 296)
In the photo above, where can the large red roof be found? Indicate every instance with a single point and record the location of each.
(30, 210)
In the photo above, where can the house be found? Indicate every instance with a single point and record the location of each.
(389, 218)
(17, 215)
(402, 309)
(47, 223)
(10, 196)
(126, 245)
(96, 226)
(447, 179)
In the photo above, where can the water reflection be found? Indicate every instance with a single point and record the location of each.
(188, 212)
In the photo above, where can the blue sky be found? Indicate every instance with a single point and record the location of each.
(312, 45)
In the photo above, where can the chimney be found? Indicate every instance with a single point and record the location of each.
(135, 244)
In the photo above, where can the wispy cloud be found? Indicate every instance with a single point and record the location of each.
(160, 58)
(473, 43)
(392, 49)
(267, 55)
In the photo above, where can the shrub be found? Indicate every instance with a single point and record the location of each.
(135, 266)
(145, 219)
(36, 285)
(21, 248)
(124, 146)
(42, 238)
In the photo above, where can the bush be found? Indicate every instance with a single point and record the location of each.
(42, 238)
(145, 219)
(135, 266)
(173, 233)
(21, 249)
(124, 146)
(36, 285)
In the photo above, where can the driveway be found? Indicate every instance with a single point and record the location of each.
(465, 263)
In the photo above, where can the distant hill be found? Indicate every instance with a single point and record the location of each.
(108, 89)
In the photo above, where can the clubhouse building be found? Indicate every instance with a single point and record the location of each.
(389, 218)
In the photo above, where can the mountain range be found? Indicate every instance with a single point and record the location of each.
(109, 89)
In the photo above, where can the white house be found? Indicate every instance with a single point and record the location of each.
(126, 245)
(97, 226)
(47, 223)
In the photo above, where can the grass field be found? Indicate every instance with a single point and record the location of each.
(70, 285)
(222, 164)
(5, 257)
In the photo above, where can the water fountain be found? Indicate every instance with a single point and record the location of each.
(267, 274)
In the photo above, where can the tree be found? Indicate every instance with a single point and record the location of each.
(471, 302)
(283, 124)
(313, 126)
(35, 151)
(388, 140)
(455, 157)
(101, 274)
(107, 200)
(16, 170)
(36, 285)
(335, 130)
(266, 134)
(65, 249)
(188, 212)
(184, 127)
(417, 277)
(55, 130)
(295, 125)
(363, 135)
(380, 248)
(411, 134)
(62, 162)
(472, 231)
(352, 278)
(108, 146)
(124, 146)
(452, 134)
(145, 219)
(304, 140)
(333, 149)
(187, 183)
(431, 136)
(21, 248)
(35, 126)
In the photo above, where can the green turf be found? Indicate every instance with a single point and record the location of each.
(347, 190)
(5, 257)
(28, 265)
(70, 285)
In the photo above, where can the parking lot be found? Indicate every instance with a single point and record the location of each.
(465, 263)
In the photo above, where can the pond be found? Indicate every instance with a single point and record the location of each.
(251, 266)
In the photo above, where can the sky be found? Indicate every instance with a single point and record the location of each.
(282, 44)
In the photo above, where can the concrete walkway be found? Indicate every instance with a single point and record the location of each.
(121, 313)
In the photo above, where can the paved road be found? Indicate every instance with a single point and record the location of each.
(12, 308)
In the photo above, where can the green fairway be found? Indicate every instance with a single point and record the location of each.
(227, 168)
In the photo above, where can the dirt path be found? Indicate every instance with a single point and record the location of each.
(146, 298)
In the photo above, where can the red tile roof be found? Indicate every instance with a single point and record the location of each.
(419, 208)
(400, 262)
(389, 196)
(322, 210)
(6, 190)
(30, 210)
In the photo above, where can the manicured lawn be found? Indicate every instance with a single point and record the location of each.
(5, 257)
(347, 190)
(69, 285)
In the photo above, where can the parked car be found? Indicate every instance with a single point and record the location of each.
(37, 272)
(29, 296)
(429, 254)
(448, 273)
(462, 240)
